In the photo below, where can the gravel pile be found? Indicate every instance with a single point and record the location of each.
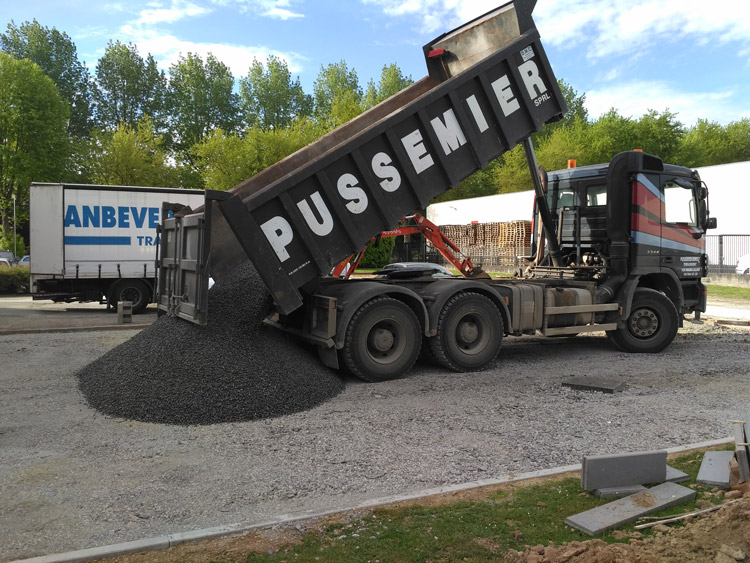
(234, 369)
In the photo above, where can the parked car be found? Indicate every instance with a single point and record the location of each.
(4, 263)
(413, 269)
(25, 261)
(8, 256)
(743, 265)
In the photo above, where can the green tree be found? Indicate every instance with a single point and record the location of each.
(659, 134)
(336, 93)
(128, 87)
(132, 156)
(270, 98)
(226, 160)
(33, 137)
(392, 81)
(200, 99)
(569, 141)
(56, 55)
(709, 143)
(378, 253)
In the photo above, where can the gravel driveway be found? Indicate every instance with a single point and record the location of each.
(72, 478)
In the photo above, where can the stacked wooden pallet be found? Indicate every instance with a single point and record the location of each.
(491, 244)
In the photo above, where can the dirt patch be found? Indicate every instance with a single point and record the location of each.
(722, 536)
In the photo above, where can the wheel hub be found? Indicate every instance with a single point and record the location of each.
(644, 323)
(468, 332)
(381, 340)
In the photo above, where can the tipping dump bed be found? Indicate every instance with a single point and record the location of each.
(489, 87)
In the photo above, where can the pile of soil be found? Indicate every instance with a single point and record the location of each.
(722, 537)
(234, 369)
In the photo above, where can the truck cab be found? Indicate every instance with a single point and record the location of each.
(634, 222)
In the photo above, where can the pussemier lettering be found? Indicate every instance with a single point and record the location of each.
(279, 231)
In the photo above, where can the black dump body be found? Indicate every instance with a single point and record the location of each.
(490, 86)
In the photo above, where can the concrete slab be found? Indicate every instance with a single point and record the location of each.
(675, 475)
(617, 470)
(619, 492)
(714, 471)
(625, 510)
(740, 452)
(603, 384)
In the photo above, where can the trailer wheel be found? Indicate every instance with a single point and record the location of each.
(382, 340)
(651, 326)
(469, 333)
(130, 290)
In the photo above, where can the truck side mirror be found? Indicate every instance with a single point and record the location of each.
(711, 223)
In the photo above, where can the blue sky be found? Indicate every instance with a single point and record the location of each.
(689, 56)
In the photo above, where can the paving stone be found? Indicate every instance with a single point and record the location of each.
(714, 471)
(617, 470)
(625, 510)
(603, 384)
(741, 452)
(676, 476)
(619, 492)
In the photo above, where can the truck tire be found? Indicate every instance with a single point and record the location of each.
(651, 326)
(382, 340)
(130, 290)
(469, 333)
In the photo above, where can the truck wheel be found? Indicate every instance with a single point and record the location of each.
(382, 340)
(133, 291)
(469, 333)
(651, 326)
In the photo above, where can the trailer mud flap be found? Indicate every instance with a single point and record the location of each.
(183, 269)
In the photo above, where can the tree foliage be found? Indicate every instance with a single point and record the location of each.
(226, 160)
(191, 128)
(270, 98)
(128, 87)
(33, 138)
(337, 94)
(378, 253)
(56, 55)
(201, 100)
(392, 81)
(132, 156)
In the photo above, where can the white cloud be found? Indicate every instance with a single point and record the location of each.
(623, 27)
(435, 15)
(277, 9)
(176, 12)
(634, 98)
(149, 31)
(612, 27)
(167, 50)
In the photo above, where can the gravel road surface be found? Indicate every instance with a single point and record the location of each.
(72, 478)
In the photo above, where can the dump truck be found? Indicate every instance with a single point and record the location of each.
(608, 255)
(97, 243)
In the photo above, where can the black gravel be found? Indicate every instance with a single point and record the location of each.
(234, 369)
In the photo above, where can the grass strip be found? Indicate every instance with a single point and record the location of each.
(512, 516)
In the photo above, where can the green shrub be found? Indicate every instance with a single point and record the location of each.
(378, 253)
(6, 243)
(14, 279)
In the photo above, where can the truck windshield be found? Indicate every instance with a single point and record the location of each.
(679, 205)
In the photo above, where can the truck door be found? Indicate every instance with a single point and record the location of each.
(682, 237)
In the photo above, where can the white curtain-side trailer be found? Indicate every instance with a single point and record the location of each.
(98, 243)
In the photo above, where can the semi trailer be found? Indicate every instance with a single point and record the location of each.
(619, 246)
(97, 243)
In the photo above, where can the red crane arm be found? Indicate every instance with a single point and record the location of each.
(418, 224)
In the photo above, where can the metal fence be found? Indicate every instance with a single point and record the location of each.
(724, 251)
